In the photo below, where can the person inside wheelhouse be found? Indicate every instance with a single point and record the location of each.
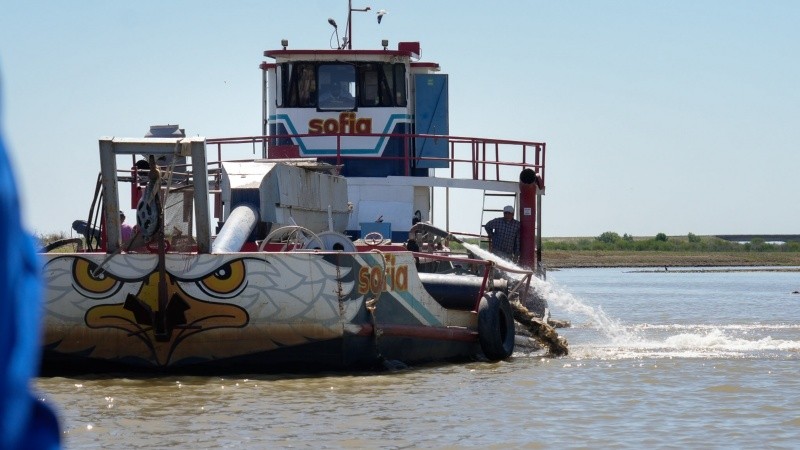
(336, 87)
(343, 86)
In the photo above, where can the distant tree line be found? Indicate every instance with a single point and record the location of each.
(609, 241)
(661, 242)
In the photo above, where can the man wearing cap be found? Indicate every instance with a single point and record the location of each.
(503, 234)
(126, 232)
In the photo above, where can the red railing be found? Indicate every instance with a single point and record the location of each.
(485, 159)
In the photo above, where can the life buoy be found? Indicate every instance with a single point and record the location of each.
(496, 326)
(373, 238)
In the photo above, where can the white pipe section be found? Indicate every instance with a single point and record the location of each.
(237, 229)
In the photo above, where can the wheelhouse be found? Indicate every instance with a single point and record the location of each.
(357, 104)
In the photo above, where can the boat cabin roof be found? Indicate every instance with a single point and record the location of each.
(406, 51)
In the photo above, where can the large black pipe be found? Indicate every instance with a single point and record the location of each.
(456, 291)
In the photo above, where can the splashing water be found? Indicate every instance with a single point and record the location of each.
(562, 300)
(620, 341)
(559, 298)
(667, 341)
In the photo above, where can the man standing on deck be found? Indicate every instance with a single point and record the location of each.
(503, 235)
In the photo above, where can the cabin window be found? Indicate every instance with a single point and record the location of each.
(302, 85)
(399, 86)
(370, 95)
(340, 86)
(337, 87)
(281, 81)
(375, 88)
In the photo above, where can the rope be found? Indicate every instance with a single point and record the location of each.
(372, 305)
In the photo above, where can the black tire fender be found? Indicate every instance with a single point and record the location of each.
(496, 326)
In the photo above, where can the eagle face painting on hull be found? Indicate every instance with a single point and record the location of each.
(213, 304)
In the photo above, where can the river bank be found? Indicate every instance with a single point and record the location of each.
(562, 259)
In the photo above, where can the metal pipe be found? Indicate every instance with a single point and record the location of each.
(233, 235)
(458, 291)
(528, 185)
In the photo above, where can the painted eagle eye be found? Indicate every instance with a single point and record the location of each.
(226, 279)
(93, 282)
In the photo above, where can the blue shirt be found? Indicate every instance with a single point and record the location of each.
(25, 422)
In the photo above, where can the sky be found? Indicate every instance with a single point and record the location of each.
(659, 116)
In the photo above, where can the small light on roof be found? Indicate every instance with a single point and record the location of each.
(284, 43)
(385, 43)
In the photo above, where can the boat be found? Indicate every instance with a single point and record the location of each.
(322, 253)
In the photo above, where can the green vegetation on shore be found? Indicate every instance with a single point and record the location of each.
(561, 259)
(611, 241)
(612, 250)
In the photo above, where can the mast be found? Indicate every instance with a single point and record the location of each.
(349, 31)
